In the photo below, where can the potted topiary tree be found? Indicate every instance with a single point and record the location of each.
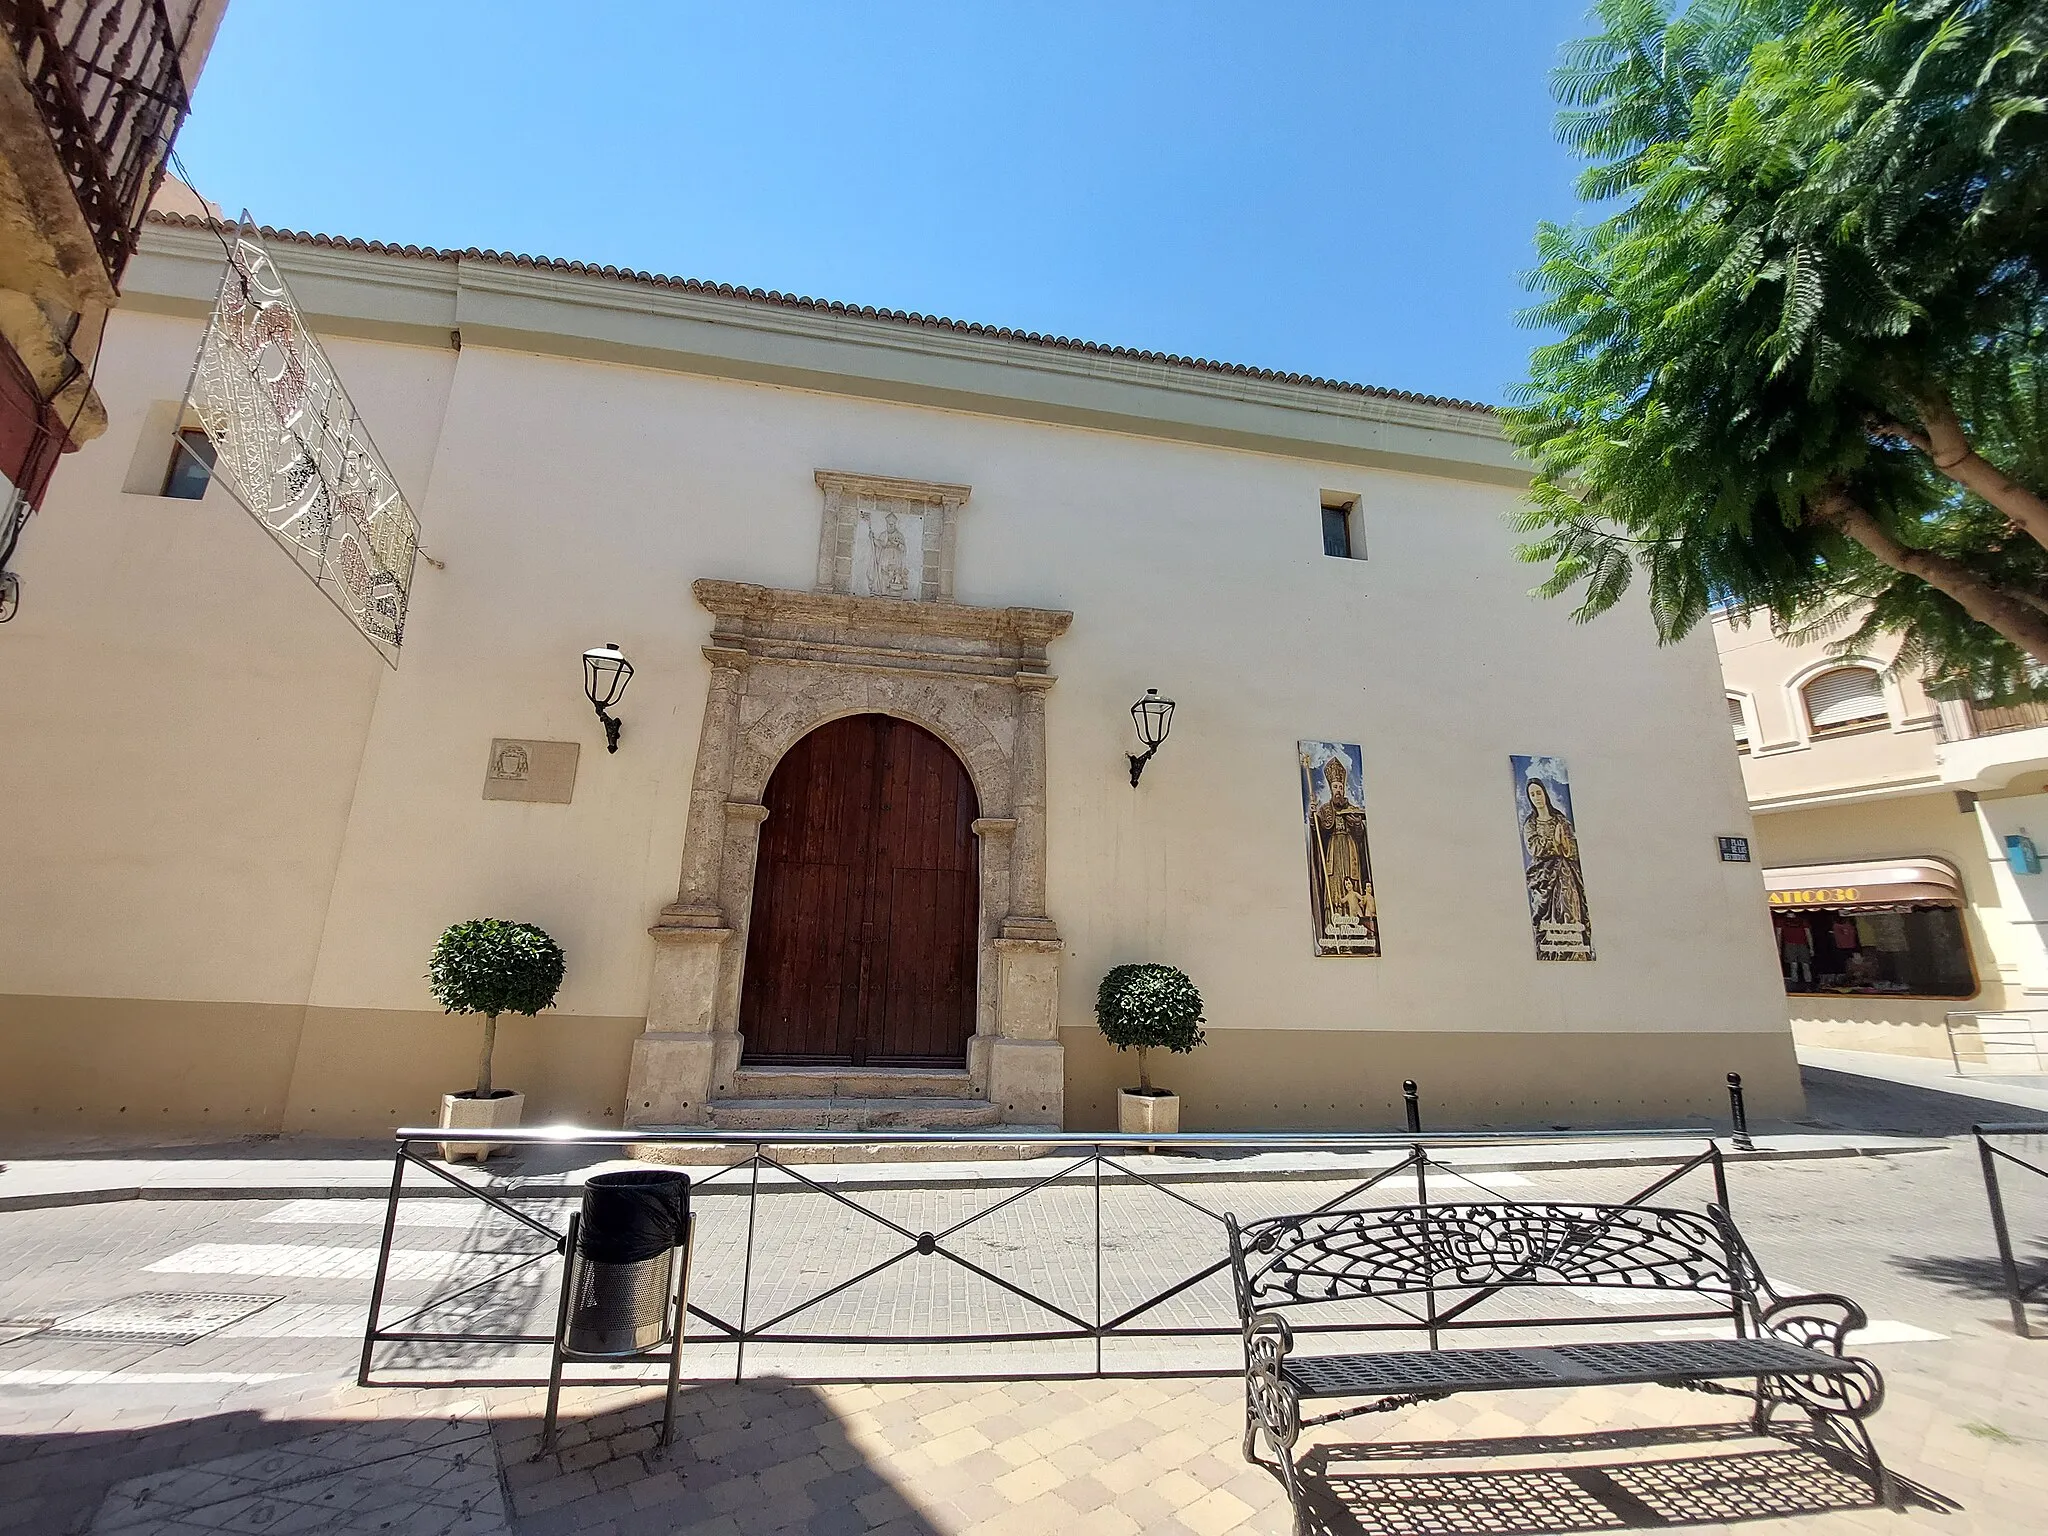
(1143, 1008)
(490, 966)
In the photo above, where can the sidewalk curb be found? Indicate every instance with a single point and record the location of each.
(58, 1199)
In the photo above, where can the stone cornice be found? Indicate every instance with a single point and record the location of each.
(738, 607)
(426, 299)
(888, 485)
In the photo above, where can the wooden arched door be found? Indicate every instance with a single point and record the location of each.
(861, 947)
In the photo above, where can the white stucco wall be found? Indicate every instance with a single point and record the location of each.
(221, 794)
(575, 502)
(185, 713)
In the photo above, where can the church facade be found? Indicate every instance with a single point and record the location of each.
(880, 818)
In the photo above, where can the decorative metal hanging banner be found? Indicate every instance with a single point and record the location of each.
(289, 446)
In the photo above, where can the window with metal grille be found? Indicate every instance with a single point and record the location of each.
(1340, 535)
(1337, 532)
(1738, 719)
(1844, 697)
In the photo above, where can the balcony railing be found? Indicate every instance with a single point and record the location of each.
(1987, 720)
(106, 75)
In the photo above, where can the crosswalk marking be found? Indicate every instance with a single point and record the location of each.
(1882, 1330)
(300, 1320)
(459, 1215)
(306, 1261)
(142, 1378)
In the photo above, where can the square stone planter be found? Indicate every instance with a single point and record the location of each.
(460, 1112)
(1141, 1113)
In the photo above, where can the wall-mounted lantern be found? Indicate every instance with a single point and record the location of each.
(1154, 718)
(605, 675)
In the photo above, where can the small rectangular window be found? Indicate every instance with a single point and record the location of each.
(1338, 534)
(191, 465)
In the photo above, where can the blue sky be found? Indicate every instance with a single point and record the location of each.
(1340, 189)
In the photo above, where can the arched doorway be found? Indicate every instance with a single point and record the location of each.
(862, 941)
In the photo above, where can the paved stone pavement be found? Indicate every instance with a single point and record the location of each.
(111, 1424)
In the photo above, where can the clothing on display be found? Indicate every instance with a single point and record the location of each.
(1910, 951)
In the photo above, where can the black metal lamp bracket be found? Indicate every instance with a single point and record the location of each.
(1138, 762)
(611, 730)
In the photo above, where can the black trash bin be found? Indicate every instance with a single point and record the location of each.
(623, 1277)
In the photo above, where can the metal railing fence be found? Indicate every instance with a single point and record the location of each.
(1994, 1150)
(2006, 1040)
(761, 1298)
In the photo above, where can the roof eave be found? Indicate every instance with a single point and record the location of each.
(421, 295)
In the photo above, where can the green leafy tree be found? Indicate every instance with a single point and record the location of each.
(1800, 360)
(490, 966)
(1149, 1007)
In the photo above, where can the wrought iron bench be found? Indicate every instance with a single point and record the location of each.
(1458, 1257)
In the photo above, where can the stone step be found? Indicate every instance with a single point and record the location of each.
(972, 1147)
(921, 1113)
(851, 1083)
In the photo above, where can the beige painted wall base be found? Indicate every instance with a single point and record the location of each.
(362, 1071)
(100, 1065)
(124, 1065)
(1299, 1079)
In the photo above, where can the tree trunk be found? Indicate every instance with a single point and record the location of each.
(483, 1065)
(1143, 1080)
(1949, 447)
(1985, 601)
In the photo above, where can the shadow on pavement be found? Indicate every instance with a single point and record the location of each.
(533, 1162)
(257, 1146)
(1766, 1480)
(1981, 1276)
(1842, 1101)
(768, 1454)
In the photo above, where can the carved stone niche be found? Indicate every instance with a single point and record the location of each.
(883, 537)
(782, 664)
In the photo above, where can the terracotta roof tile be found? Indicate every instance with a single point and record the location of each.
(834, 306)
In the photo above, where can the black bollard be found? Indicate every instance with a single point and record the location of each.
(1413, 1102)
(1741, 1116)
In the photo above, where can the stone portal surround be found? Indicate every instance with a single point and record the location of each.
(782, 664)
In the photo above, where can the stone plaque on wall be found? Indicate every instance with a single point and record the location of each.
(543, 771)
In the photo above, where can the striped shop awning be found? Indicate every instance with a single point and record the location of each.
(1867, 885)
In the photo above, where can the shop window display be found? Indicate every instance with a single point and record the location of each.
(1901, 951)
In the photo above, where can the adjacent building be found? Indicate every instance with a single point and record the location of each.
(1897, 834)
(890, 586)
(92, 93)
